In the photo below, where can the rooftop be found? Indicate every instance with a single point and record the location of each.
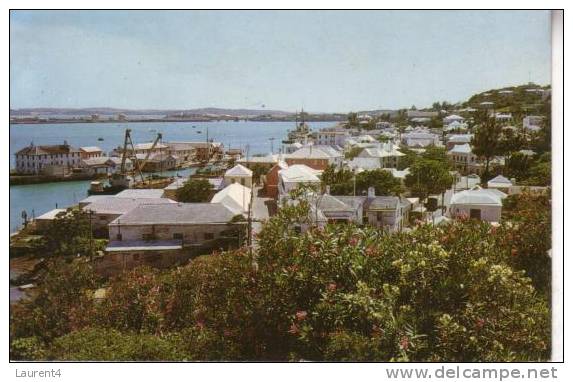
(51, 215)
(90, 149)
(239, 170)
(235, 196)
(143, 193)
(177, 214)
(315, 152)
(114, 205)
(461, 149)
(299, 173)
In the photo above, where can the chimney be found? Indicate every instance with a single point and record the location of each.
(327, 192)
(371, 192)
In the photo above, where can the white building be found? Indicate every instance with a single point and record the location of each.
(464, 159)
(500, 182)
(191, 224)
(332, 137)
(387, 153)
(239, 174)
(47, 159)
(453, 118)
(235, 197)
(477, 203)
(532, 122)
(295, 176)
(420, 138)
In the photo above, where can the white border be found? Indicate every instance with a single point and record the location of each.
(276, 372)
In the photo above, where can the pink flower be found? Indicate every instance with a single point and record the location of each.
(331, 287)
(480, 323)
(301, 315)
(353, 240)
(404, 343)
(293, 329)
(371, 250)
(200, 324)
(513, 252)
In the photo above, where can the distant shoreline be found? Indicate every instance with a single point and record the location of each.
(62, 121)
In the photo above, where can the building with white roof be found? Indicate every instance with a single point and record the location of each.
(458, 139)
(317, 157)
(477, 203)
(43, 221)
(239, 174)
(464, 160)
(105, 210)
(456, 126)
(500, 182)
(387, 153)
(453, 118)
(295, 176)
(87, 152)
(336, 136)
(235, 197)
(420, 138)
(532, 122)
(190, 223)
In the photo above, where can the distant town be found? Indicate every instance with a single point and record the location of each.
(392, 172)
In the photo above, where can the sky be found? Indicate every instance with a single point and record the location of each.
(322, 61)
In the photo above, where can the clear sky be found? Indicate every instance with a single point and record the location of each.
(329, 61)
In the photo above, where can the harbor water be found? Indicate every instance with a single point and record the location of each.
(36, 199)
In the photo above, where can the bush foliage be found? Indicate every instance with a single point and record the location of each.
(464, 291)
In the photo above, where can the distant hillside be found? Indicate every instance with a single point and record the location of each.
(108, 111)
(523, 97)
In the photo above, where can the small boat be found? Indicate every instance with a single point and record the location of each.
(100, 139)
(193, 126)
(199, 132)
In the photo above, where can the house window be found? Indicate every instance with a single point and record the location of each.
(209, 236)
(147, 236)
(242, 182)
(178, 236)
(119, 236)
(475, 213)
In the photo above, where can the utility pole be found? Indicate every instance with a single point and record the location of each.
(272, 141)
(91, 235)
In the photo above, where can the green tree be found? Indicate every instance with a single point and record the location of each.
(194, 191)
(428, 177)
(383, 181)
(352, 121)
(69, 234)
(486, 140)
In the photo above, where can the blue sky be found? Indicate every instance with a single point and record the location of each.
(334, 61)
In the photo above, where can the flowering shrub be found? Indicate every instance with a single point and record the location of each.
(458, 292)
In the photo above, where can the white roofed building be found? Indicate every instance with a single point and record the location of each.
(477, 203)
(235, 197)
(464, 160)
(500, 182)
(295, 176)
(239, 174)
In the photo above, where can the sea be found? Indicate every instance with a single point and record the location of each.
(36, 199)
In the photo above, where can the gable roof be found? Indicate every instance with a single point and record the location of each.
(114, 205)
(143, 193)
(461, 149)
(299, 173)
(239, 170)
(478, 196)
(177, 214)
(236, 197)
(500, 180)
(47, 150)
(315, 152)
